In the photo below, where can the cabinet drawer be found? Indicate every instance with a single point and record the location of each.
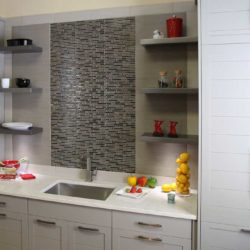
(92, 216)
(123, 240)
(13, 204)
(218, 236)
(154, 224)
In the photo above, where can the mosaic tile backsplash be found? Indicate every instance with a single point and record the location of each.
(93, 94)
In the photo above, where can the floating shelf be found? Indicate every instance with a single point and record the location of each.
(182, 139)
(174, 40)
(31, 131)
(171, 91)
(20, 49)
(21, 90)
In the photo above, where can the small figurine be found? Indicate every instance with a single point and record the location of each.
(172, 129)
(158, 130)
(158, 34)
(178, 79)
(163, 80)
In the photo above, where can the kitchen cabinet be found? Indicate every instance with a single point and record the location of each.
(89, 237)
(47, 233)
(38, 225)
(133, 231)
(225, 172)
(59, 227)
(13, 223)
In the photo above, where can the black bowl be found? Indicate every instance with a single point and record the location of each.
(19, 42)
(22, 82)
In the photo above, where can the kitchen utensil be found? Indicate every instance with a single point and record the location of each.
(17, 125)
(22, 82)
(174, 26)
(19, 42)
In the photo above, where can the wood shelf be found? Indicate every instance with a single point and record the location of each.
(171, 91)
(174, 40)
(21, 90)
(182, 139)
(31, 131)
(20, 49)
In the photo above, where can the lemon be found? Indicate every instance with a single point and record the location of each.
(178, 171)
(178, 160)
(184, 168)
(173, 186)
(182, 178)
(166, 188)
(184, 157)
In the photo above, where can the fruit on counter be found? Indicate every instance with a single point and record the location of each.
(134, 190)
(183, 174)
(152, 182)
(184, 168)
(142, 181)
(166, 188)
(132, 180)
(184, 157)
(173, 186)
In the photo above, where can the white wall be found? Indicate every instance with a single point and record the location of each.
(31, 7)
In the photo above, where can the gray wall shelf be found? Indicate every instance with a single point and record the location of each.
(20, 49)
(21, 90)
(182, 139)
(174, 40)
(31, 131)
(171, 91)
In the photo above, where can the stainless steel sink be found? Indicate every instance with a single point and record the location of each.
(81, 191)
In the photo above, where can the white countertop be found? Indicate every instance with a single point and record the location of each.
(155, 203)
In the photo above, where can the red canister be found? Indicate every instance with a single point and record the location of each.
(174, 26)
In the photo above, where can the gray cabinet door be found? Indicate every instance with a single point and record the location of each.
(47, 234)
(13, 231)
(88, 237)
(130, 240)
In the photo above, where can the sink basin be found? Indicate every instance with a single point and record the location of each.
(81, 191)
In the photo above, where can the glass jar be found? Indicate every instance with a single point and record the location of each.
(163, 79)
(178, 79)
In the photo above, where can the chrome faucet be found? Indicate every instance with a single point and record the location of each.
(90, 173)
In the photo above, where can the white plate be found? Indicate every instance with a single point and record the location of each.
(17, 125)
(122, 192)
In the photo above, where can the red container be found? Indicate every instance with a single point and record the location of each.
(11, 164)
(174, 26)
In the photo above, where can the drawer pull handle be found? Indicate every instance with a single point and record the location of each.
(2, 204)
(3, 215)
(149, 225)
(88, 229)
(245, 230)
(46, 222)
(140, 237)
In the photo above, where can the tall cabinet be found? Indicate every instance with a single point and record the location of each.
(225, 151)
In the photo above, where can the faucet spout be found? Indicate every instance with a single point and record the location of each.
(90, 173)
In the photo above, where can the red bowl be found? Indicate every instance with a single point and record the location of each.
(11, 164)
